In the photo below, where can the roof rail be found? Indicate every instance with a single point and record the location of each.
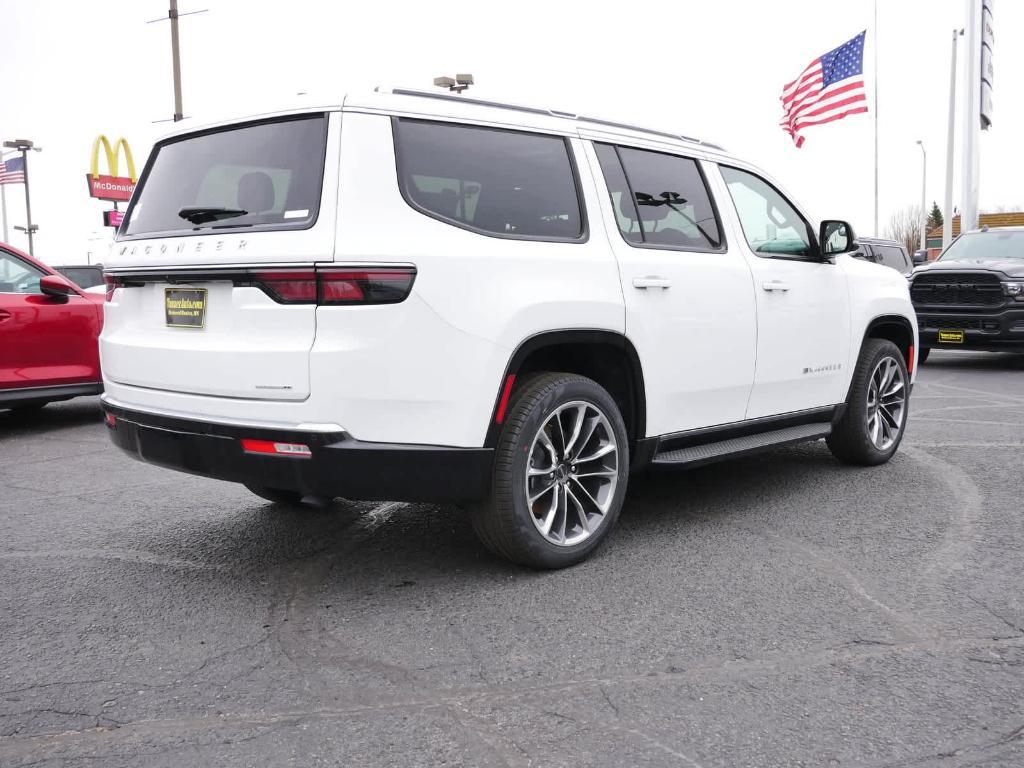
(554, 113)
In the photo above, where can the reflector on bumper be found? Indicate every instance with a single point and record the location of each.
(294, 450)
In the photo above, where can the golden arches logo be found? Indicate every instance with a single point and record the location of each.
(113, 155)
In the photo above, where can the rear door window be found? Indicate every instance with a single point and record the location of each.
(493, 181)
(660, 200)
(256, 176)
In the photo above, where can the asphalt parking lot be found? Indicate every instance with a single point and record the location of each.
(777, 610)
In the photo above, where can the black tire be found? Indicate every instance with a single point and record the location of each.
(922, 355)
(850, 441)
(277, 495)
(505, 523)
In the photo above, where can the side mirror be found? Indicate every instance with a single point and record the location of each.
(58, 286)
(920, 257)
(836, 237)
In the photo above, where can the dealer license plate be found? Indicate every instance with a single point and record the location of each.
(185, 307)
(951, 337)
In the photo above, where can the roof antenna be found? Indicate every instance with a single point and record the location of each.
(456, 85)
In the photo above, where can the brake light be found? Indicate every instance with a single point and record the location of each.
(113, 283)
(269, 447)
(361, 286)
(386, 285)
(288, 287)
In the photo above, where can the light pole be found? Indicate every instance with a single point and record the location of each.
(947, 222)
(23, 146)
(924, 184)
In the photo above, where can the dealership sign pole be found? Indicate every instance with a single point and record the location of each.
(977, 112)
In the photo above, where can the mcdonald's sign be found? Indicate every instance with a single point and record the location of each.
(111, 186)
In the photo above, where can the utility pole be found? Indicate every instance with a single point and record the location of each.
(23, 146)
(947, 220)
(172, 14)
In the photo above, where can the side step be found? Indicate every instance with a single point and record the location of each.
(739, 446)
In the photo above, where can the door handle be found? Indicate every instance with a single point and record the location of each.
(651, 282)
(775, 285)
(4, 315)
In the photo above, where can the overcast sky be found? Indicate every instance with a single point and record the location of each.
(72, 70)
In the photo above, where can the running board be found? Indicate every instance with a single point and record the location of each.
(738, 446)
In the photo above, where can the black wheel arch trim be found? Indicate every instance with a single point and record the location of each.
(888, 319)
(575, 336)
(876, 322)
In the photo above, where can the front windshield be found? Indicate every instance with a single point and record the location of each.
(986, 246)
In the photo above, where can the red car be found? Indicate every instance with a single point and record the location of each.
(49, 331)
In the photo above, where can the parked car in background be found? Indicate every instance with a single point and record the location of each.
(82, 275)
(49, 330)
(972, 296)
(423, 297)
(889, 253)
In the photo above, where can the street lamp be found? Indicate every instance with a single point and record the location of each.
(23, 146)
(924, 179)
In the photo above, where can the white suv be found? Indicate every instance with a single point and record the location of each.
(415, 296)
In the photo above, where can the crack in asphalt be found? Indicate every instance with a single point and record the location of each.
(829, 563)
(730, 669)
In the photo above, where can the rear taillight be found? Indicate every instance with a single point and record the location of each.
(359, 286)
(288, 287)
(113, 283)
(272, 448)
(335, 286)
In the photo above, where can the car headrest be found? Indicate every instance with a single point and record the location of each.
(256, 192)
(649, 208)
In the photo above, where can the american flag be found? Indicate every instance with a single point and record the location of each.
(12, 171)
(830, 88)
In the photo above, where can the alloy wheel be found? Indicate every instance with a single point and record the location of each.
(572, 473)
(887, 400)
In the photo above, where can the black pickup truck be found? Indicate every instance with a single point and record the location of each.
(972, 296)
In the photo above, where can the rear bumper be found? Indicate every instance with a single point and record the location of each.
(992, 331)
(337, 465)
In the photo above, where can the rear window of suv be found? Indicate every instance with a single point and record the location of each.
(493, 181)
(255, 176)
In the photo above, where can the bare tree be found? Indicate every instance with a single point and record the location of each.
(905, 227)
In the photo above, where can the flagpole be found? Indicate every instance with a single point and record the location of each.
(875, 54)
(3, 208)
(3, 204)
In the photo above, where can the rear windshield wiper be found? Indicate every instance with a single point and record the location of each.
(204, 215)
